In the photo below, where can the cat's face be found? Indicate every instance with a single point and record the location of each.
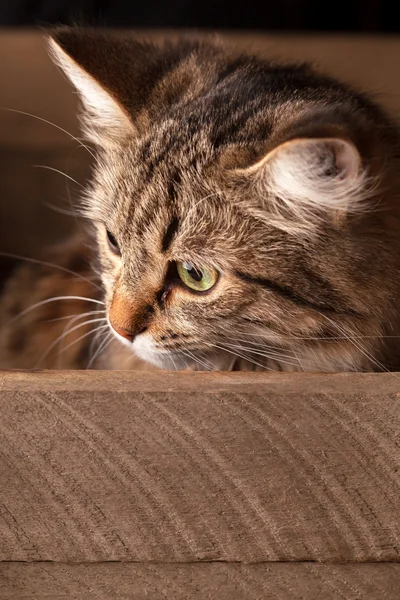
(219, 241)
(189, 271)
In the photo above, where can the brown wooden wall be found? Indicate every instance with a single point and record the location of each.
(176, 485)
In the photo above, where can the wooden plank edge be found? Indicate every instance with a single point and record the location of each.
(369, 384)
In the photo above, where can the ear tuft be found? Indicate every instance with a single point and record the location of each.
(104, 120)
(309, 177)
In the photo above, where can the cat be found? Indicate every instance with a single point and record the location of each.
(246, 216)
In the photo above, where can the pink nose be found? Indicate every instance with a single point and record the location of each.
(128, 335)
(128, 318)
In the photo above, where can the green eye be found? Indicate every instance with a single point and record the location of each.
(199, 280)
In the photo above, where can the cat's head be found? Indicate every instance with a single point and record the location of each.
(232, 199)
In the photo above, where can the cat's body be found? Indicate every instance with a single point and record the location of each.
(246, 213)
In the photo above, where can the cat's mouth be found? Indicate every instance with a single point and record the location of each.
(172, 358)
(145, 348)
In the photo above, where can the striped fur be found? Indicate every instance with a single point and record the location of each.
(280, 178)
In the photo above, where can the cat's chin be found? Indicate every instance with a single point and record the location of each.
(144, 347)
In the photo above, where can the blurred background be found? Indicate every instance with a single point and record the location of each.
(42, 168)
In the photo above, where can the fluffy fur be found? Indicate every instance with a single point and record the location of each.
(283, 180)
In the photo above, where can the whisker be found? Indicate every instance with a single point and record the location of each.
(276, 357)
(63, 211)
(102, 346)
(258, 347)
(78, 317)
(47, 264)
(191, 357)
(241, 356)
(201, 362)
(281, 358)
(273, 353)
(93, 344)
(55, 299)
(63, 335)
(174, 363)
(71, 204)
(21, 112)
(315, 338)
(183, 353)
(58, 171)
(363, 351)
(300, 361)
(95, 330)
(92, 312)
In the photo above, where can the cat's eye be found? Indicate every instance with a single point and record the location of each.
(198, 280)
(113, 244)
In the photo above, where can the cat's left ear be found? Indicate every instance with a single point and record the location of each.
(312, 177)
(90, 62)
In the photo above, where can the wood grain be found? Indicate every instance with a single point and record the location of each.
(120, 581)
(365, 385)
(199, 467)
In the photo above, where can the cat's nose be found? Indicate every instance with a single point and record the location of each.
(129, 334)
(125, 333)
(127, 319)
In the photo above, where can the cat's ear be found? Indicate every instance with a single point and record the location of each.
(310, 177)
(88, 60)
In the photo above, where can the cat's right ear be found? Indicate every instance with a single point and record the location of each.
(85, 58)
(312, 179)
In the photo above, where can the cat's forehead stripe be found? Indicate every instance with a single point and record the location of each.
(170, 233)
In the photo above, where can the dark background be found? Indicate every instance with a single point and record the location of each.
(290, 15)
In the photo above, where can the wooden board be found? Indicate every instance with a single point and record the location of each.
(297, 581)
(199, 467)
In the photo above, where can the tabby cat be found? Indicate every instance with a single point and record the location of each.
(246, 216)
